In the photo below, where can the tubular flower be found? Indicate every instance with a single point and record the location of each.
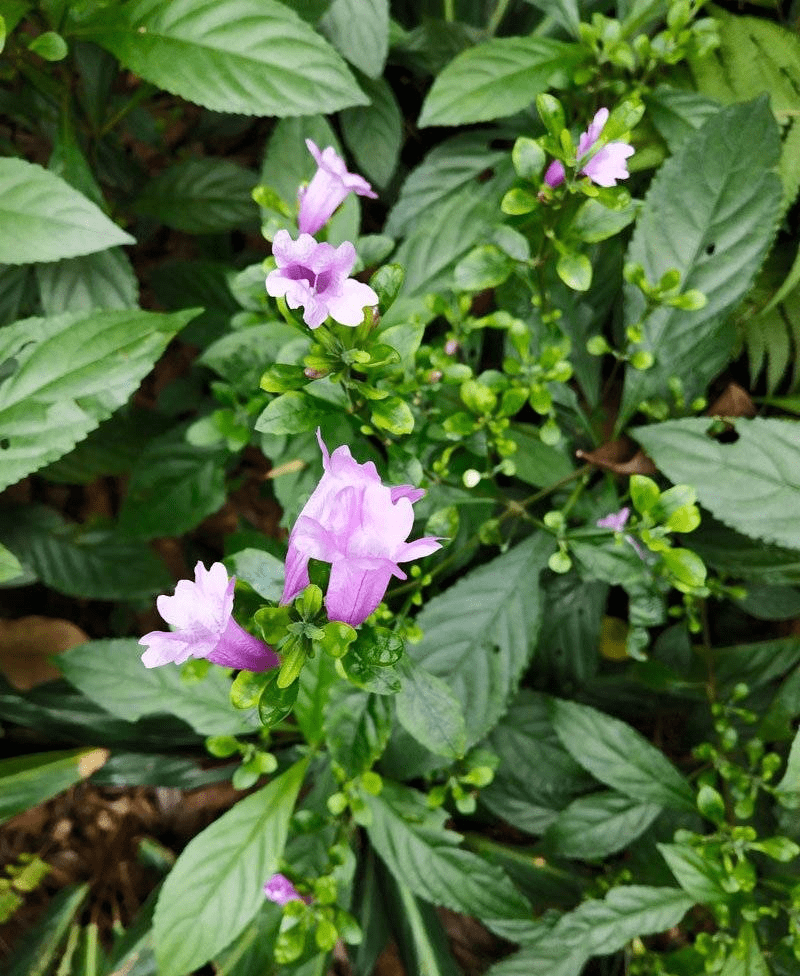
(201, 612)
(280, 889)
(604, 168)
(617, 521)
(327, 189)
(315, 276)
(359, 526)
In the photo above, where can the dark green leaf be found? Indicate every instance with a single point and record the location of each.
(102, 280)
(431, 713)
(497, 78)
(595, 826)
(255, 57)
(479, 633)
(9, 565)
(374, 133)
(291, 413)
(27, 781)
(38, 949)
(201, 196)
(111, 673)
(424, 856)
(172, 488)
(71, 372)
(701, 878)
(357, 727)
(714, 230)
(619, 756)
(214, 890)
(763, 464)
(360, 30)
(42, 218)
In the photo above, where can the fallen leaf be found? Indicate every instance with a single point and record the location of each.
(27, 643)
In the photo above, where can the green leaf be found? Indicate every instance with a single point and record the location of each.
(214, 890)
(595, 826)
(393, 415)
(755, 664)
(201, 196)
(49, 46)
(746, 958)
(620, 757)
(69, 373)
(594, 222)
(263, 571)
(43, 219)
(536, 777)
(763, 465)
(241, 356)
(255, 57)
(359, 29)
(537, 464)
(479, 634)
(172, 488)
(291, 413)
(27, 781)
(497, 78)
(357, 727)
(700, 878)
(715, 230)
(80, 560)
(37, 951)
(575, 270)
(423, 855)
(486, 266)
(9, 565)
(111, 673)
(374, 133)
(597, 928)
(677, 113)
(102, 280)
(790, 783)
(448, 168)
(431, 713)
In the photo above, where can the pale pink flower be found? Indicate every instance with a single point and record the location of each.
(554, 174)
(607, 165)
(280, 889)
(201, 611)
(327, 189)
(359, 526)
(616, 520)
(315, 276)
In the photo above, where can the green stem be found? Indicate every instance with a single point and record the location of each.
(449, 10)
(142, 92)
(497, 15)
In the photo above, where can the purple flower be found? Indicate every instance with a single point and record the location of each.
(315, 276)
(554, 174)
(281, 890)
(359, 526)
(607, 165)
(616, 520)
(202, 613)
(329, 186)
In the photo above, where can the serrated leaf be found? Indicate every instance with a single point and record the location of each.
(450, 166)
(374, 133)
(70, 372)
(172, 488)
(214, 890)
(359, 29)
(678, 112)
(201, 196)
(595, 826)
(496, 79)
(597, 928)
(415, 846)
(42, 218)
(479, 634)
(619, 756)
(357, 727)
(256, 57)
(431, 713)
(714, 230)
(27, 781)
(762, 465)
(536, 777)
(79, 560)
(111, 673)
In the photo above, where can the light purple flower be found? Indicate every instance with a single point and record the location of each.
(359, 526)
(607, 165)
(281, 890)
(327, 189)
(616, 520)
(554, 174)
(202, 613)
(315, 276)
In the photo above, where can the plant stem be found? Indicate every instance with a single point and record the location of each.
(497, 16)
(449, 10)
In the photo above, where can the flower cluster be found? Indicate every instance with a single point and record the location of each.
(314, 275)
(603, 167)
(358, 525)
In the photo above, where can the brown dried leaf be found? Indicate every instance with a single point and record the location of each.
(734, 401)
(621, 456)
(26, 644)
